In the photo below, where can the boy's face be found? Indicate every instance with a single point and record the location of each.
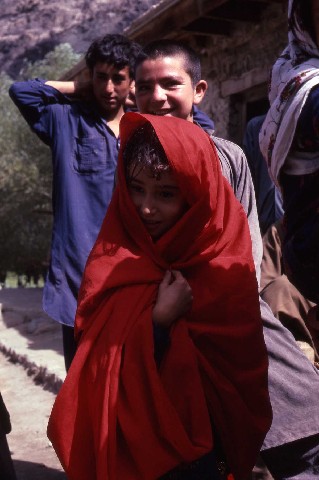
(163, 87)
(111, 86)
(159, 202)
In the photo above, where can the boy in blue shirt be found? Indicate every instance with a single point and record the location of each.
(83, 138)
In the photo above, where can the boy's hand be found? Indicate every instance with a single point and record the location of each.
(174, 299)
(83, 89)
(80, 89)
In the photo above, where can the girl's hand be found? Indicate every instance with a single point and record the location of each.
(174, 299)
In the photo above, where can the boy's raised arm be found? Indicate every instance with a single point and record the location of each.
(38, 101)
(76, 88)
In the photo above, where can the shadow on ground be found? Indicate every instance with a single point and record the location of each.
(36, 471)
(22, 310)
(30, 338)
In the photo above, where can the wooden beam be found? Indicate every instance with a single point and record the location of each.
(243, 11)
(209, 26)
(167, 17)
(245, 81)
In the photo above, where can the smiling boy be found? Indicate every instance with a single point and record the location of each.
(168, 82)
(165, 87)
(83, 137)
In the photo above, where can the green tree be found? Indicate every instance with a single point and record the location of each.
(53, 65)
(25, 173)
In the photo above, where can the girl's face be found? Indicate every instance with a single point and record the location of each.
(159, 202)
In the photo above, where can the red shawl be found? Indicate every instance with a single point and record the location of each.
(117, 417)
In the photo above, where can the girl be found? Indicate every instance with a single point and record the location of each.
(171, 365)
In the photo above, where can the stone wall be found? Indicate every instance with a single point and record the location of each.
(238, 67)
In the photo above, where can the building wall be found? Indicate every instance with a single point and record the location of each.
(237, 70)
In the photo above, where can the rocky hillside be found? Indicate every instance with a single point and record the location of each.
(31, 28)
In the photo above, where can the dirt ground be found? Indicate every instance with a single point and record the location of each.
(31, 370)
(29, 406)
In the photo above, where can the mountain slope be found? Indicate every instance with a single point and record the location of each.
(31, 28)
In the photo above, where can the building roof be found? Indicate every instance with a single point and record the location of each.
(181, 18)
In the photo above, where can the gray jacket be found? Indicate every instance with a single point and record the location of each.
(236, 170)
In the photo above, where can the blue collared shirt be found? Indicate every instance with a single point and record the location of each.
(84, 157)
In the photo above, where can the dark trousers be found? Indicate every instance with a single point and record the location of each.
(69, 345)
(297, 460)
(205, 468)
(301, 222)
(6, 465)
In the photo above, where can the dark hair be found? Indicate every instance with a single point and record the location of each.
(114, 49)
(144, 151)
(301, 14)
(172, 48)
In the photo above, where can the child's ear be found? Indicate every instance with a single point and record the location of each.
(132, 86)
(199, 91)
